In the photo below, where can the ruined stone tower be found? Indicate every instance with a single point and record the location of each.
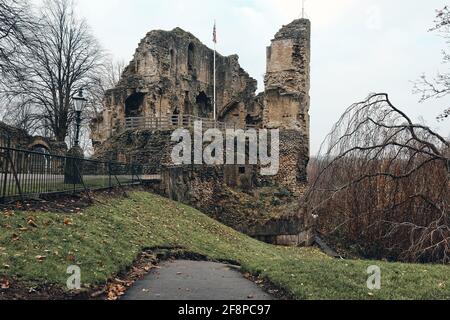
(287, 100)
(287, 80)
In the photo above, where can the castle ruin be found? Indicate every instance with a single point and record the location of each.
(171, 76)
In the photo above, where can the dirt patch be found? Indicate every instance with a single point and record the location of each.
(67, 203)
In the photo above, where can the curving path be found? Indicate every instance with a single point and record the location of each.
(193, 280)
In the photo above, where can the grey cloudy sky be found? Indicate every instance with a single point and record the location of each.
(358, 46)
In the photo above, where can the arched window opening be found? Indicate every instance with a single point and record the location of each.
(191, 53)
(173, 60)
(187, 104)
(133, 105)
(204, 106)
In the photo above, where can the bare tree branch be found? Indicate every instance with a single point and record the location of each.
(381, 183)
(439, 86)
(63, 58)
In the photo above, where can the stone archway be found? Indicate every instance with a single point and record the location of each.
(39, 146)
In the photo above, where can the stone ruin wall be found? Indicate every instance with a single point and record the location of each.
(170, 70)
(20, 139)
(172, 74)
(287, 81)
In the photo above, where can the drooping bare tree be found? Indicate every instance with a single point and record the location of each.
(63, 58)
(439, 86)
(382, 185)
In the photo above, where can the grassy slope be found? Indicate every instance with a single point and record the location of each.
(107, 237)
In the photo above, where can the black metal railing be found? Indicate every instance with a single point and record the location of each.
(25, 173)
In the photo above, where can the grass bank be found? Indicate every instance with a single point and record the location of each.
(37, 248)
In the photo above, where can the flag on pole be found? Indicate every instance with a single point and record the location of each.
(215, 33)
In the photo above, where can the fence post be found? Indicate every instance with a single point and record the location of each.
(73, 176)
(110, 174)
(6, 162)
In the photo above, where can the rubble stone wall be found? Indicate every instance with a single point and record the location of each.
(172, 74)
(20, 139)
(287, 80)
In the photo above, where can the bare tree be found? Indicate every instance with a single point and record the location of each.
(439, 86)
(382, 185)
(108, 78)
(113, 73)
(15, 24)
(63, 58)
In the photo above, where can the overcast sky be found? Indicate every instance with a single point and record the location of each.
(358, 47)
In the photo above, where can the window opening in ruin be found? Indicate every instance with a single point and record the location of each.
(241, 170)
(173, 61)
(133, 105)
(204, 106)
(187, 104)
(249, 120)
(191, 51)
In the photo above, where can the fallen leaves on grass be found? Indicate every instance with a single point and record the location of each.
(68, 222)
(15, 237)
(32, 223)
(41, 258)
(4, 283)
(8, 213)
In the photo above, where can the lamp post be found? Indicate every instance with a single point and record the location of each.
(79, 101)
(74, 163)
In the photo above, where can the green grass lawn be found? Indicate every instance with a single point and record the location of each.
(105, 239)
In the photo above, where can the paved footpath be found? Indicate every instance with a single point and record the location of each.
(191, 280)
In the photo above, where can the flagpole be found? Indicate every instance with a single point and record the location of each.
(303, 9)
(215, 103)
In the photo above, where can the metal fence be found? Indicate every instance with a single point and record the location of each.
(25, 173)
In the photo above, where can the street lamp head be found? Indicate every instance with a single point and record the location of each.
(79, 101)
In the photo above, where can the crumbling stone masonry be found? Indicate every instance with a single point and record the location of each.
(20, 139)
(287, 81)
(172, 74)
